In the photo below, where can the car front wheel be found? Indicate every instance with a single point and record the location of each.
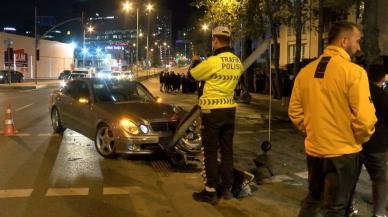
(105, 142)
(56, 121)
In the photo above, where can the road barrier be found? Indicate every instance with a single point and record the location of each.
(9, 128)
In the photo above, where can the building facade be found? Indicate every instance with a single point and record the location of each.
(54, 57)
(309, 49)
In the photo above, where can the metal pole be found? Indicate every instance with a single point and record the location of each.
(137, 35)
(36, 46)
(83, 41)
(9, 64)
(270, 92)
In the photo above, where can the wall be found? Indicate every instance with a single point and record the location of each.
(54, 56)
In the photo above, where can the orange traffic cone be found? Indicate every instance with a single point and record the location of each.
(9, 129)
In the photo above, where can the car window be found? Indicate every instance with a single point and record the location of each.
(77, 89)
(70, 88)
(120, 91)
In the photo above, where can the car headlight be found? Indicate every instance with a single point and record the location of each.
(143, 129)
(129, 126)
(1, 77)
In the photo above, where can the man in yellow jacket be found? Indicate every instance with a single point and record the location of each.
(221, 73)
(331, 103)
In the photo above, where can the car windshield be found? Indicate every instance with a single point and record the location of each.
(106, 90)
(76, 75)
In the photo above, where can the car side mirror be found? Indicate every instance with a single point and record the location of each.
(158, 99)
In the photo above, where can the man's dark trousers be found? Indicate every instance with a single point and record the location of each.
(331, 182)
(218, 129)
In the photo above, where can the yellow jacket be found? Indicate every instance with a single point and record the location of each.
(331, 103)
(221, 73)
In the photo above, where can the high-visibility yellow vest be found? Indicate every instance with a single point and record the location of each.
(221, 74)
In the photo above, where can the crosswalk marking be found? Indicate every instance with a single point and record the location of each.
(22, 134)
(67, 192)
(278, 178)
(45, 134)
(9, 193)
(120, 190)
(245, 132)
(303, 175)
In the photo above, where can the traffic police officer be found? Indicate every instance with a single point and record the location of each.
(331, 103)
(221, 73)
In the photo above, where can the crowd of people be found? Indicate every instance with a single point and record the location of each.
(172, 82)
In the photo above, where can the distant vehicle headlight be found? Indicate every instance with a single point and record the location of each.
(143, 129)
(129, 126)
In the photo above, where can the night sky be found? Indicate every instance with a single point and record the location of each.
(20, 13)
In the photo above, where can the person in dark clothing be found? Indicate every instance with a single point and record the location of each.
(286, 88)
(373, 156)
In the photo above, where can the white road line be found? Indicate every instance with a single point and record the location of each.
(23, 134)
(303, 175)
(15, 193)
(245, 132)
(120, 190)
(278, 178)
(46, 134)
(67, 192)
(21, 108)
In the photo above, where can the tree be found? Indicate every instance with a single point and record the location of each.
(329, 11)
(370, 45)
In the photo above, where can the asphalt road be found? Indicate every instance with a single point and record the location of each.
(45, 174)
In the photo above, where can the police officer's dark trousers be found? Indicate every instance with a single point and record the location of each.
(331, 182)
(217, 131)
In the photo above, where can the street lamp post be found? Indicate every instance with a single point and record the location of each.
(149, 8)
(126, 8)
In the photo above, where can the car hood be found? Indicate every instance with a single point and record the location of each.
(141, 111)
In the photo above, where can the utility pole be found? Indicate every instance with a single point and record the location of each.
(137, 35)
(36, 45)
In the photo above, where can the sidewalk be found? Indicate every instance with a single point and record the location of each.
(30, 84)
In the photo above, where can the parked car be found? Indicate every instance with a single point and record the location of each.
(64, 74)
(121, 116)
(15, 76)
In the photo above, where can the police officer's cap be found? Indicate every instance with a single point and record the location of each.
(221, 30)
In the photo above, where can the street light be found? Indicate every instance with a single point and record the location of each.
(90, 29)
(205, 27)
(149, 8)
(126, 8)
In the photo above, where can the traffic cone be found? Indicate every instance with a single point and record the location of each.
(9, 129)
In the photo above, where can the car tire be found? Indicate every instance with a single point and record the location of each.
(105, 142)
(56, 121)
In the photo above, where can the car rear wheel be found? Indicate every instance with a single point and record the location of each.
(56, 121)
(105, 142)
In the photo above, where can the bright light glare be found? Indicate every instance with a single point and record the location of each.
(90, 29)
(149, 7)
(73, 44)
(205, 27)
(127, 6)
(129, 126)
(84, 50)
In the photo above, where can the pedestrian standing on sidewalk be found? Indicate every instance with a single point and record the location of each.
(221, 73)
(331, 103)
(374, 153)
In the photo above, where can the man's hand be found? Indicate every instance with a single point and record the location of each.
(195, 57)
